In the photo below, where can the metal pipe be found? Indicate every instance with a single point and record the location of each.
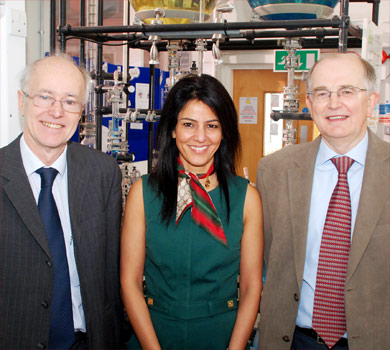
(126, 49)
(82, 54)
(320, 32)
(82, 24)
(343, 34)
(108, 110)
(375, 11)
(199, 28)
(275, 115)
(53, 35)
(152, 78)
(249, 35)
(99, 80)
(62, 23)
(126, 70)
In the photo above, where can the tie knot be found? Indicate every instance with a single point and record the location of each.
(47, 176)
(342, 164)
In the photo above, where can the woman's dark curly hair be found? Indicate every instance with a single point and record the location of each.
(210, 91)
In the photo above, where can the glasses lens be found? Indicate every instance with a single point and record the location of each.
(70, 105)
(320, 95)
(348, 91)
(47, 101)
(43, 101)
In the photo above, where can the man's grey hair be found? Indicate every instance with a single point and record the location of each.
(369, 71)
(27, 72)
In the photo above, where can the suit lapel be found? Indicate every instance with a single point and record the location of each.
(300, 181)
(372, 200)
(77, 186)
(18, 191)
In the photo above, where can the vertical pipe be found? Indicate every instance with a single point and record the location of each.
(128, 44)
(62, 23)
(99, 81)
(100, 12)
(82, 53)
(126, 69)
(53, 35)
(152, 78)
(82, 41)
(343, 32)
(375, 11)
(200, 54)
(126, 50)
(201, 11)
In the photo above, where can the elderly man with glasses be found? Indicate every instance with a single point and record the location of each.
(60, 218)
(327, 221)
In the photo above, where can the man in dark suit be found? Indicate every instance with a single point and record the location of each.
(298, 307)
(87, 193)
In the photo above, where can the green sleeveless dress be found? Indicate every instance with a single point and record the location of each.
(191, 278)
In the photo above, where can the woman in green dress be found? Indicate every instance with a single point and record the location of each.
(191, 228)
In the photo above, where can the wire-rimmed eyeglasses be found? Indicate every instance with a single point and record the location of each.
(69, 104)
(344, 93)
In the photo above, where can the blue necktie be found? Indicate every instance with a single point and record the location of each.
(61, 335)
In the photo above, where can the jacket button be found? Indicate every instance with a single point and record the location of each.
(44, 304)
(48, 263)
(41, 346)
(286, 338)
(296, 298)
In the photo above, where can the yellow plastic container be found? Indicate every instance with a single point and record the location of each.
(176, 11)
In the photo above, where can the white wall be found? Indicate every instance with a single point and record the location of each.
(12, 61)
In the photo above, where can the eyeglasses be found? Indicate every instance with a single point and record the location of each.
(344, 93)
(68, 104)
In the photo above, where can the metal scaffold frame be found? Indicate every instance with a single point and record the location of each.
(336, 32)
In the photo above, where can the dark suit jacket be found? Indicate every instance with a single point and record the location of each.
(94, 182)
(285, 180)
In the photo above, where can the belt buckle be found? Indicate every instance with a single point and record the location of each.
(319, 340)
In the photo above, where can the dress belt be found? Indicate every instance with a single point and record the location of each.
(191, 311)
(313, 334)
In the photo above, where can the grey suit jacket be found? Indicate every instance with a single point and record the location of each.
(26, 272)
(284, 180)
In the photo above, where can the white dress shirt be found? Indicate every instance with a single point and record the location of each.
(32, 163)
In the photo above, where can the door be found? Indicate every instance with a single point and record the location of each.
(256, 83)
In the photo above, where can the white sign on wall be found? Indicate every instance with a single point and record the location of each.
(142, 96)
(248, 110)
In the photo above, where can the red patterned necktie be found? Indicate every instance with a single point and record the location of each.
(328, 310)
(203, 211)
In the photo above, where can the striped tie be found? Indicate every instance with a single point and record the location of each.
(328, 310)
(203, 211)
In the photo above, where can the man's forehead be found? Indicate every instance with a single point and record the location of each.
(344, 71)
(56, 75)
(55, 63)
(349, 62)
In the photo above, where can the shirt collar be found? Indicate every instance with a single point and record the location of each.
(32, 163)
(358, 153)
